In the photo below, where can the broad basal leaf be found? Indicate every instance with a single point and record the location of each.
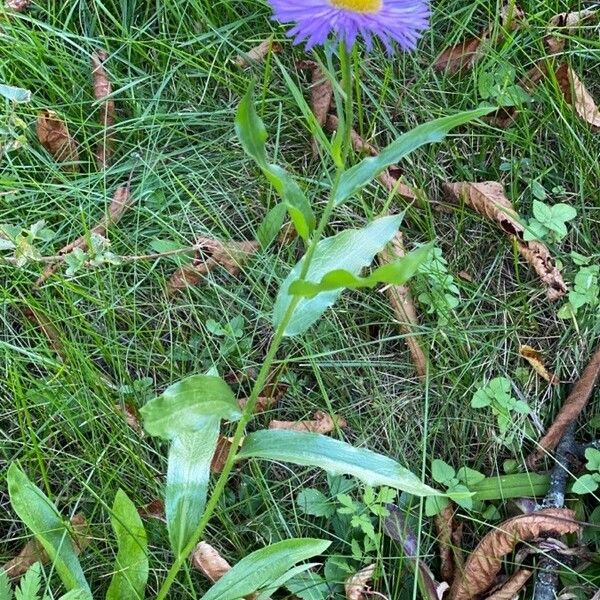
(369, 168)
(338, 458)
(41, 517)
(252, 134)
(131, 565)
(350, 250)
(15, 94)
(185, 406)
(257, 570)
(190, 456)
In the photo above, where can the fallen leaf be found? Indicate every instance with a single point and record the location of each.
(484, 564)
(121, 201)
(389, 181)
(536, 360)
(17, 5)
(512, 586)
(102, 90)
(153, 510)
(322, 423)
(577, 96)
(34, 552)
(466, 276)
(489, 200)
(130, 413)
(404, 308)
(221, 453)
(228, 255)
(357, 585)
(570, 411)
(461, 56)
(258, 53)
(269, 397)
(54, 135)
(566, 21)
(287, 235)
(321, 94)
(449, 538)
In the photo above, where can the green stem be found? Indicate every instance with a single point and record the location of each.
(265, 370)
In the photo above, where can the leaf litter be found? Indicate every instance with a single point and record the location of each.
(258, 53)
(536, 360)
(449, 538)
(102, 92)
(357, 585)
(54, 135)
(322, 423)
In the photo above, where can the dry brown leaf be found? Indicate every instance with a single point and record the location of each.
(258, 53)
(356, 585)
(449, 541)
(401, 300)
(536, 360)
(102, 91)
(153, 510)
(322, 423)
(572, 408)
(33, 551)
(207, 560)
(389, 181)
(130, 413)
(567, 21)
(17, 5)
(54, 135)
(221, 453)
(461, 56)
(577, 96)
(488, 199)
(321, 94)
(484, 564)
(512, 586)
(228, 255)
(121, 201)
(269, 397)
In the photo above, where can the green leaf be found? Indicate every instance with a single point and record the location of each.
(164, 246)
(442, 472)
(31, 584)
(77, 595)
(273, 586)
(586, 484)
(563, 212)
(470, 476)
(368, 169)
(260, 568)
(40, 515)
(434, 505)
(15, 94)
(542, 212)
(269, 229)
(308, 586)
(333, 456)
(519, 485)
(315, 503)
(131, 564)
(593, 459)
(184, 406)
(396, 273)
(190, 456)
(351, 250)
(5, 587)
(480, 399)
(566, 311)
(252, 134)
(535, 231)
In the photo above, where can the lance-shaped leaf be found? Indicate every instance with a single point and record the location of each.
(369, 168)
(185, 405)
(261, 568)
(252, 134)
(39, 514)
(395, 273)
(351, 250)
(333, 456)
(131, 564)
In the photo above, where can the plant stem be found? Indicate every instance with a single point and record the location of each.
(263, 375)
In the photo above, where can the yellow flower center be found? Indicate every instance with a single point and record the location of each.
(359, 6)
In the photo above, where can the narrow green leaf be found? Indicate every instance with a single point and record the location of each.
(250, 129)
(274, 585)
(131, 564)
(15, 94)
(368, 169)
(350, 250)
(333, 456)
(270, 227)
(259, 569)
(396, 273)
(40, 515)
(188, 472)
(184, 406)
(77, 595)
(519, 485)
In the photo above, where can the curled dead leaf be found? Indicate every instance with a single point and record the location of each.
(449, 537)
(258, 53)
(512, 586)
(54, 135)
(207, 559)
(401, 300)
(33, 551)
(153, 510)
(221, 453)
(130, 413)
(357, 584)
(322, 423)
(102, 91)
(567, 22)
(121, 201)
(17, 5)
(536, 360)
(483, 565)
(577, 96)
(228, 255)
(572, 408)
(489, 200)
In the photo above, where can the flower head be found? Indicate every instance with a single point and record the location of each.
(389, 20)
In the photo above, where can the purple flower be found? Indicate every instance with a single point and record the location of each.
(399, 20)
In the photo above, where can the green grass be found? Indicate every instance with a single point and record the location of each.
(176, 90)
